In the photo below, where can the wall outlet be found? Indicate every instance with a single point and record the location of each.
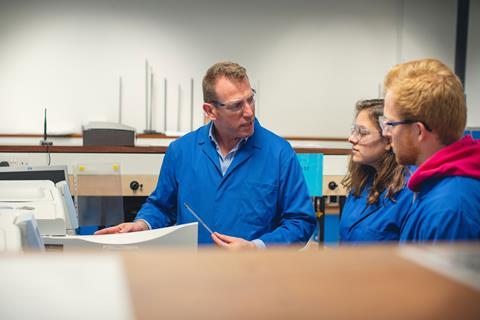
(17, 162)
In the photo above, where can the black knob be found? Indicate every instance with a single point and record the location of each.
(134, 185)
(332, 185)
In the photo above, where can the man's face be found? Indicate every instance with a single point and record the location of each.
(234, 118)
(402, 136)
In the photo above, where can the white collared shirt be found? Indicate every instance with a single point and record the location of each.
(225, 161)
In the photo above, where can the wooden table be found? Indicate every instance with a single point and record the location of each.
(345, 283)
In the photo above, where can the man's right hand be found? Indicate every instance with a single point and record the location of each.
(125, 227)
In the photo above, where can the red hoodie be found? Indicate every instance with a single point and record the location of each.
(461, 158)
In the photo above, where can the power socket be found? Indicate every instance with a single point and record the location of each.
(17, 162)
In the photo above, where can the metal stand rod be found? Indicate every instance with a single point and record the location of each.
(179, 108)
(165, 105)
(150, 124)
(120, 100)
(146, 95)
(191, 104)
(257, 99)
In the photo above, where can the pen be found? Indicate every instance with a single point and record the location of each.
(197, 217)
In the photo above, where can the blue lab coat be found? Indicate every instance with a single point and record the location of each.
(263, 194)
(446, 205)
(382, 221)
(446, 209)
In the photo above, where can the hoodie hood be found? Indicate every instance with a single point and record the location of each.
(461, 158)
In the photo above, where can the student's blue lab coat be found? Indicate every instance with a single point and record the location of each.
(382, 221)
(263, 194)
(446, 209)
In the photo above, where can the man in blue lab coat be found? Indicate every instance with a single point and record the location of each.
(242, 180)
(425, 118)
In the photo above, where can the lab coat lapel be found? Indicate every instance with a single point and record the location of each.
(209, 149)
(369, 210)
(243, 154)
(212, 155)
(246, 151)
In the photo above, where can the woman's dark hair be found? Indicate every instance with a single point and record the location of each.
(390, 175)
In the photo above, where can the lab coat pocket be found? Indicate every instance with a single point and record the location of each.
(259, 202)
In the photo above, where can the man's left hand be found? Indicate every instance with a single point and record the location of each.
(232, 243)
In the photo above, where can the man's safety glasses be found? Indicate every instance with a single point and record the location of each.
(237, 105)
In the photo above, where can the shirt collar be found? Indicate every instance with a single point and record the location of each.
(215, 142)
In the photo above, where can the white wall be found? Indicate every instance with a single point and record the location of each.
(472, 75)
(429, 29)
(310, 59)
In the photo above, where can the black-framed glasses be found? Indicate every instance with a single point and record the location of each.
(237, 105)
(388, 125)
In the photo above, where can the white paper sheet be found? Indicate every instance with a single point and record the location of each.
(181, 235)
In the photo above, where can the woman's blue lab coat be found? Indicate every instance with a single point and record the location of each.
(263, 194)
(382, 221)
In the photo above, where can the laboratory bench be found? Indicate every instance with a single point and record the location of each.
(369, 282)
(139, 166)
(137, 169)
(373, 282)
